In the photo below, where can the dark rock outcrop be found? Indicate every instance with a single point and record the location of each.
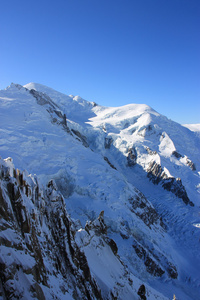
(132, 157)
(175, 186)
(188, 161)
(156, 263)
(190, 164)
(157, 175)
(42, 98)
(53, 109)
(176, 154)
(149, 151)
(152, 266)
(110, 164)
(146, 130)
(98, 225)
(80, 137)
(100, 228)
(142, 208)
(37, 235)
(142, 292)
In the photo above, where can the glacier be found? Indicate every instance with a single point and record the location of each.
(131, 163)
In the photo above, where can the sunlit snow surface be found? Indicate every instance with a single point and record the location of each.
(193, 127)
(90, 185)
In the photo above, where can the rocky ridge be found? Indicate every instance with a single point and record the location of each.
(42, 254)
(37, 242)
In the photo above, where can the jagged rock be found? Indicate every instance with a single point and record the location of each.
(132, 157)
(156, 263)
(112, 245)
(175, 186)
(52, 108)
(146, 212)
(149, 151)
(188, 161)
(43, 99)
(152, 266)
(98, 225)
(81, 137)
(40, 232)
(142, 292)
(157, 175)
(176, 154)
(18, 86)
(146, 130)
(65, 120)
(155, 172)
(111, 165)
(190, 164)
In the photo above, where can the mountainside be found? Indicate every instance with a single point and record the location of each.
(113, 212)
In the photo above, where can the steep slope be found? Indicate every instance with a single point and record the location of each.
(134, 164)
(38, 254)
(43, 252)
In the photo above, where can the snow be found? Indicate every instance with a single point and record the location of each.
(192, 127)
(90, 185)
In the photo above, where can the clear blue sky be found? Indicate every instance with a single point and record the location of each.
(113, 52)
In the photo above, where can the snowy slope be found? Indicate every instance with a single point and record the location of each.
(193, 127)
(124, 161)
(45, 255)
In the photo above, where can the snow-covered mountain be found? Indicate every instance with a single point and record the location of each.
(193, 127)
(113, 210)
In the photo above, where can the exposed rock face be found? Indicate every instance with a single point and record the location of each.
(175, 186)
(110, 164)
(42, 98)
(190, 164)
(100, 229)
(142, 292)
(142, 208)
(98, 225)
(151, 265)
(132, 157)
(188, 161)
(37, 242)
(176, 154)
(53, 109)
(80, 137)
(157, 175)
(149, 151)
(146, 130)
(156, 263)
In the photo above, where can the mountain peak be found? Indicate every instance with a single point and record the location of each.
(130, 162)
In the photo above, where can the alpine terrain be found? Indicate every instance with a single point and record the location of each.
(96, 202)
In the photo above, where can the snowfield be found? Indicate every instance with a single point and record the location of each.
(140, 168)
(193, 127)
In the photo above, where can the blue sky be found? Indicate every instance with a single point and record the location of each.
(113, 52)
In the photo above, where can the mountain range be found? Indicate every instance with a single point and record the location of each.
(96, 202)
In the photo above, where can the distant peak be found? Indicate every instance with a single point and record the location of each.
(14, 86)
